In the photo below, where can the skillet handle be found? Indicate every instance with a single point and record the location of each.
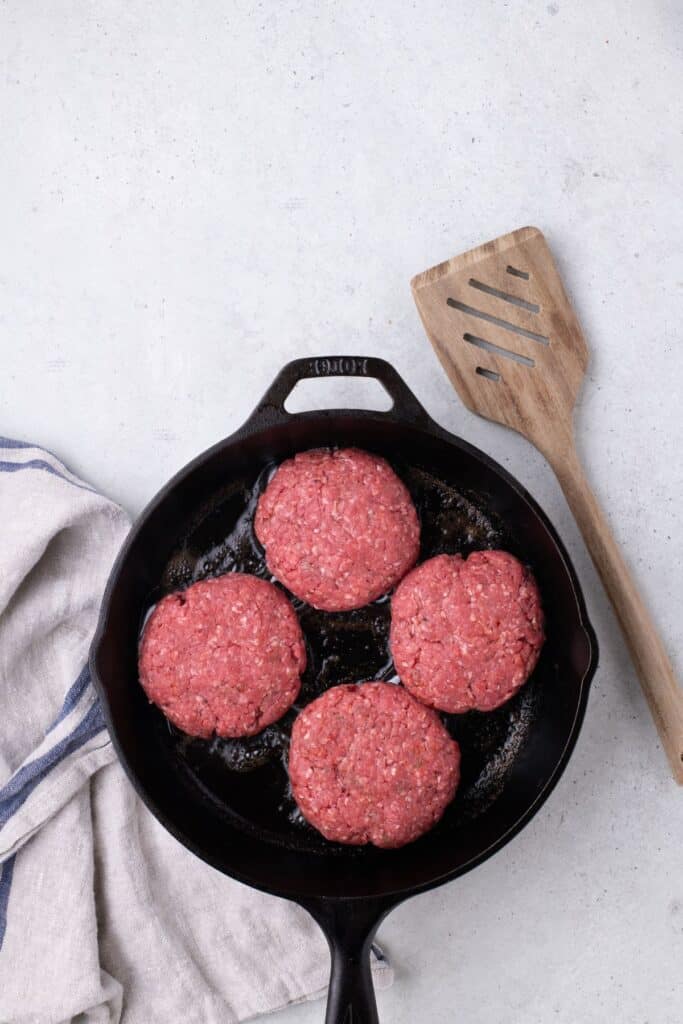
(406, 406)
(349, 926)
(351, 996)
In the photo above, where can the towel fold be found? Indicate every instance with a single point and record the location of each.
(104, 917)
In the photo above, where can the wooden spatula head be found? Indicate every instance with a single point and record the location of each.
(503, 327)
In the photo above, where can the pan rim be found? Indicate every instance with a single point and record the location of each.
(429, 428)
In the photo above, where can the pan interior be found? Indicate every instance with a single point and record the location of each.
(230, 800)
(246, 779)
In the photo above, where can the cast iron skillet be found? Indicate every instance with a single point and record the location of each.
(228, 801)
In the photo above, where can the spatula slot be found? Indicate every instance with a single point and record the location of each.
(518, 273)
(505, 324)
(496, 350)
(505, 296)
(489, 374)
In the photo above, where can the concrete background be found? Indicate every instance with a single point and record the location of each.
(193, 193)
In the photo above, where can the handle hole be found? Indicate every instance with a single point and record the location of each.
(338, 393)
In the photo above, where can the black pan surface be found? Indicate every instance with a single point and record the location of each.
(246, 779)
(229, 801)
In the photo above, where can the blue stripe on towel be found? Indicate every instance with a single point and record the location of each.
(14, 467)
(73, 695)
(23, 782)
(9, 442)
(6, 872)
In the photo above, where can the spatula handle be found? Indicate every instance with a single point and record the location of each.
(655, 670)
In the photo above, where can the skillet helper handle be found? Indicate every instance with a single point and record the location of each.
(657, 679)
(406, 406)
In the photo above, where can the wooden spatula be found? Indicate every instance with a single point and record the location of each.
(502, 326)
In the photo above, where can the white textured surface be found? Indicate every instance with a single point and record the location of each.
(191, 194)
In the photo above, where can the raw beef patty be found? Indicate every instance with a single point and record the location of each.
(369, 764)
(339, 527)
(466, 633)
(224, 656)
